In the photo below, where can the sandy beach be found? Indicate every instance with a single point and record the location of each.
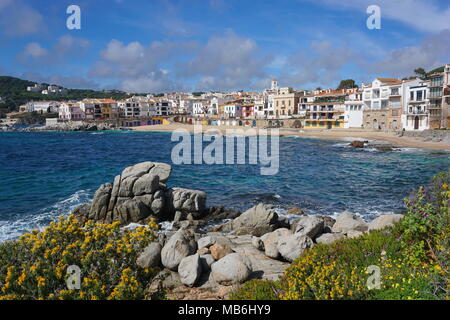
(338, 134)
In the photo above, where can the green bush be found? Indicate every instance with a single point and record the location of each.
(257, 289)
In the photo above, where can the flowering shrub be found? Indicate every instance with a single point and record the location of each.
(35, 266)
(412, 257)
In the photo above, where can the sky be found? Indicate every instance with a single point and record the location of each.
(220, 45)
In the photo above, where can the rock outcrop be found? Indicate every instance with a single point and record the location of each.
(140, 192)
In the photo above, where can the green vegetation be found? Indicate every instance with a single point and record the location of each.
(412, 256)
(13, 92)
(347, 84)
(36, 265)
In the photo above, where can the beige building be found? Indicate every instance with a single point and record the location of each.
(286, 102)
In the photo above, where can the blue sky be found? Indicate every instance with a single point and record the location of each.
(167, 45)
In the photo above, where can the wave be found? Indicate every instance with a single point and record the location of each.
(10, 230)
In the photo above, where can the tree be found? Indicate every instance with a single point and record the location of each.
(347, 84)
(421, 73)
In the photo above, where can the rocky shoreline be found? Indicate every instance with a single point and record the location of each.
(206, 252)
(64, 126)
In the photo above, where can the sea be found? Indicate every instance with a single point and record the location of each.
(44, 175)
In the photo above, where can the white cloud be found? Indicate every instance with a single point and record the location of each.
(227, 62)
(432, 52)
(424, 15)
(64, 47)
(19, 19)
(35, 51)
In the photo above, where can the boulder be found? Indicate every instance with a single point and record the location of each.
(206, 242)
(220, 250)
(190, 269)
(232, 269)
(347, 221)
(354, 234)
(291, 247)
(271, 242)
(328, 238)
(99, 205)
(146, 184)
(187, 200)
(309, 226)
(131, 211)
(384, 221)
(256, 221)
(179, 246)
(357, 144)
(151, 256)
(162, 170)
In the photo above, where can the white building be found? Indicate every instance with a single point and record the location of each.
(354, 107)
(71, 111)
(36, 88)
(415, 113)
(129, 108)
(200, 107)
(232, 110)
(43, 106)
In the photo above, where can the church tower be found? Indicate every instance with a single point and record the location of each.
(274, 84)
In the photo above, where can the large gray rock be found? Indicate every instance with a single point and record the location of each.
(139, 169)
(100, 202)
(179, 246)
(190, 269)
(131, 211)
(151, 256)
(347, 221)
(291, 247)
(256, 221)
(232, 269)
(384, 221)
(187, 200)
(329, 238)
(162, 170)
(146, 184)
(270, 241)
(310, 226)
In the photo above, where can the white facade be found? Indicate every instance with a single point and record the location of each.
(200, 107)
(353, 114)
(129, 108)
(233, 110)
(43, 106)
(415, 113)
(71, 112)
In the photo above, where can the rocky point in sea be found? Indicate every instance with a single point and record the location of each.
(207, 252)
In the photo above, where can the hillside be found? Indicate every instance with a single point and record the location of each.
(13, 92)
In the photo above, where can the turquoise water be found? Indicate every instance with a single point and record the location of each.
(47, 174)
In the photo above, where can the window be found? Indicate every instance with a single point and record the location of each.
(411, 96)
(419, 96)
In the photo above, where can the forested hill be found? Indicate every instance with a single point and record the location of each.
(13, 93)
